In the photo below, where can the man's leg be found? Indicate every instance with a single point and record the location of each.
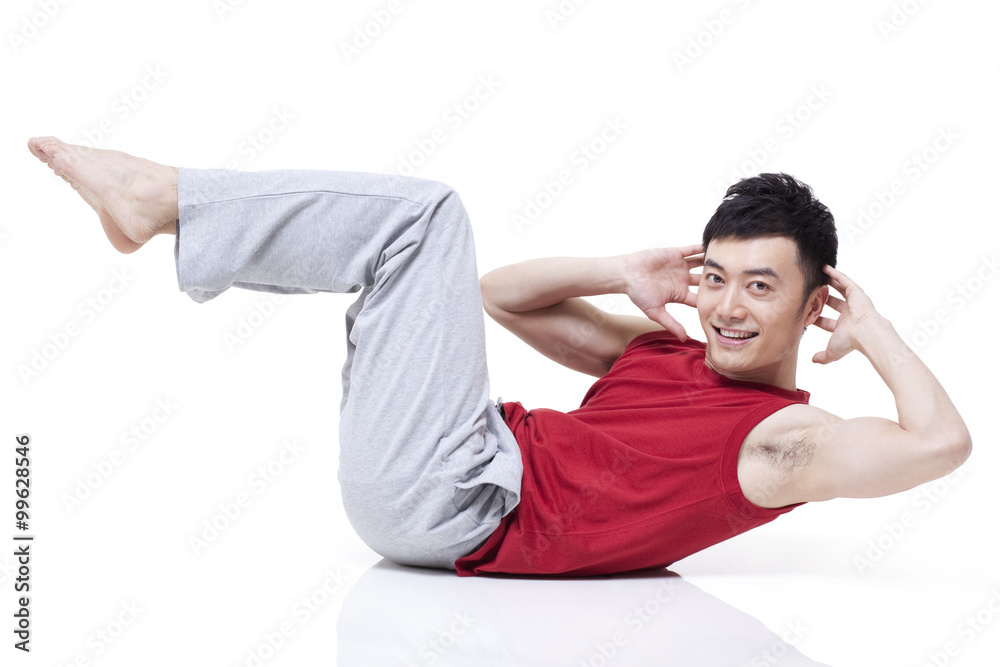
(427, 466)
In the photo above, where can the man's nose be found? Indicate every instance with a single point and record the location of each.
(731, 306)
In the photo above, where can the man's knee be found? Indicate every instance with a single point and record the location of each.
(448, 214)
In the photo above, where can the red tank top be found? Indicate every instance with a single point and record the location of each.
(641, 475)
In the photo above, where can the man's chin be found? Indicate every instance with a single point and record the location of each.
(727, 361)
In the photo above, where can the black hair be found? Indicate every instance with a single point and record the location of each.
(779, 205)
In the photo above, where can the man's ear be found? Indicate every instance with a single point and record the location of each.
(815, 303)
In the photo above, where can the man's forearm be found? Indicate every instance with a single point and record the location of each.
(922, 404)
(539, 283)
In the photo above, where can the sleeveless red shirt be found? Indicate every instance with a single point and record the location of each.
(641, 475)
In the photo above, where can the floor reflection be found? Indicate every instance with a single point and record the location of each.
(412, 617)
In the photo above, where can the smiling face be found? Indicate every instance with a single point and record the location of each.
(750, 302)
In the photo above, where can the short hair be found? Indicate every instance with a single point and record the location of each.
(779, 205)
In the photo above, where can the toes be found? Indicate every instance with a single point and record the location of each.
(44, 145)
(35, 146)
(51, 149)
(65, 159)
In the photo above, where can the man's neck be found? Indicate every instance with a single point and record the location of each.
(781, 374)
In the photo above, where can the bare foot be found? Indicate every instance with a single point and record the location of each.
(135, 199)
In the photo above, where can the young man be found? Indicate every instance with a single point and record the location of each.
(679, 445)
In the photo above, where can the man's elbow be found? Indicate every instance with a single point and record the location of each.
(487, 289)
(955, 450)
(963, 449)
(490, 290)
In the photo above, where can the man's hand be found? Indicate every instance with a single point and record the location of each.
(656, 277)
(863, 457)
(857, 314)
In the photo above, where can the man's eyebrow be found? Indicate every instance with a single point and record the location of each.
(757, 271)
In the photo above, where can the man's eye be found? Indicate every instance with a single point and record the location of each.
(712, 278)
(759, 286)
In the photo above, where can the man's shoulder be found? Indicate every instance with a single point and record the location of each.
(662, 341)
(791, 423)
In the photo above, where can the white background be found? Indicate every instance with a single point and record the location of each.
(842, 95)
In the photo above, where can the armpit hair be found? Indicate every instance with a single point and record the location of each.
(784, 457)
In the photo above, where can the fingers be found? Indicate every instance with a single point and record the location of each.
(694, 255)
(688, 250)
(677, 330)
(826, 356)
(839, 280)
(694, 279)
(826, 323)
(837, 285)
(691, 299)
(836, 303)
(663, 318)
(835, 273)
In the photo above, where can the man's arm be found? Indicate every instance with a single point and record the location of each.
(539, 301)
(869, 457)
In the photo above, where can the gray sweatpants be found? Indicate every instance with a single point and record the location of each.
(427, 466)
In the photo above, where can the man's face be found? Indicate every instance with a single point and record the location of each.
(751, 309)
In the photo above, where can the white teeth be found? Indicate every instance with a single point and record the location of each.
(736, 334)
